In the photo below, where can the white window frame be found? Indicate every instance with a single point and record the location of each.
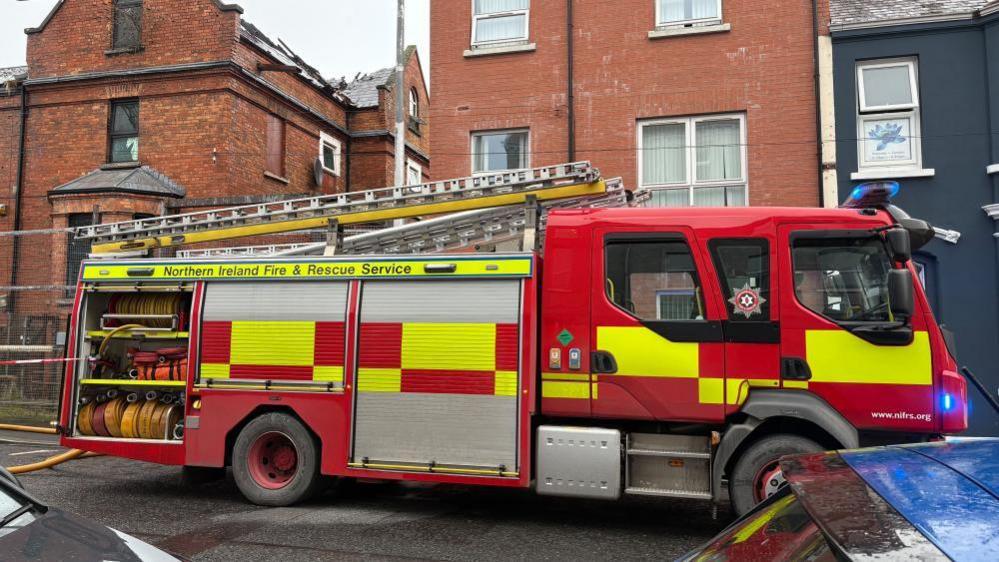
(337, 146)
(527, 153)
(680, 23)
(887, 63)
(414, 166)
(910, 111)
(493, 15)
(691, 183)
(414, 103)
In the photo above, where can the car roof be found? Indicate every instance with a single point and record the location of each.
(949, 491)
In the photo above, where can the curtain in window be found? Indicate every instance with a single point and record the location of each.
(500, 29)
(664, 154)
(709, 197)
(494, 6)
(671, 198)
(719, 151)
(683, 10)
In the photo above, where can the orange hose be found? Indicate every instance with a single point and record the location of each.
(28, 429)
(50, 462)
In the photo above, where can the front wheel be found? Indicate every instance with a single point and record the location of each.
(757, 474)
(275, 461)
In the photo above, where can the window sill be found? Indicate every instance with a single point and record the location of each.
(896, 173)
(678, 31)
(500, 50)
(993, 169)
(277, 178)
(123, 51)
(121, 165)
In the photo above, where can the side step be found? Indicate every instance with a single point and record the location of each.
(675, 466)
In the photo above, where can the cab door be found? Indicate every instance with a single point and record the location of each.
(743, 267)
(657, 342)
(839, 339)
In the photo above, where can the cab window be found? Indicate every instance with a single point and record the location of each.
(654, 280)
(843, 279)
(744, 273)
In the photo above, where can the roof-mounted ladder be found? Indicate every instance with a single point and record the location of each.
(547, 183)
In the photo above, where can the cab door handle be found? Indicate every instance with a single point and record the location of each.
(602, 362)
(795, 369)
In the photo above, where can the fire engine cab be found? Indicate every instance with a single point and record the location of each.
(661, 352)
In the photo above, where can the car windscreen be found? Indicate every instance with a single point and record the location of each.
(13, 510)
(778, 529)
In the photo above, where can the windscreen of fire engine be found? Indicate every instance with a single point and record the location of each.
(654, 280)
(843, 279)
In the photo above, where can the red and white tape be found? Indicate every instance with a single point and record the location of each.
(37, 361)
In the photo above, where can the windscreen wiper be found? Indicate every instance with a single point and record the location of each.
(15, 514)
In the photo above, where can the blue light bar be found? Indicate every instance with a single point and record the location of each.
(947, 402)
(875, 194)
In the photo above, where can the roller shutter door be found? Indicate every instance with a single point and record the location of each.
(438, 373)
(274, 331)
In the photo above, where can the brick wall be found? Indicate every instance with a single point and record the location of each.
(173, 32)
(763, 68)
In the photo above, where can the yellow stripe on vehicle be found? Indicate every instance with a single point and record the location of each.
(800, 385)
(214, 371)
(505, 383)
(285, 344)
(449, 347)
(559, 389)
(837, 356)
(379, 380)
(711, 391)
(327, 374)
(566, 377)
(640, 352)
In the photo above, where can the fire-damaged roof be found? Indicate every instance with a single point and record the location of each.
(363, 91)
(852, 12)
(280, 52)
(142, 181)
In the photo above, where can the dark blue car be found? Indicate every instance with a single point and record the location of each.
(930, 501)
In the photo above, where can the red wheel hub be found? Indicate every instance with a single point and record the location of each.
(273, 460)
(769, 480)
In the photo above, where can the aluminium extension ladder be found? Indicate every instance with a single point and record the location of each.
(464, 231)
(547, 183)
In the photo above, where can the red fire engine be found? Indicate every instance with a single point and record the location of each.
(663, 352)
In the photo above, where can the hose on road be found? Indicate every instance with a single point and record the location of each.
(49, 462)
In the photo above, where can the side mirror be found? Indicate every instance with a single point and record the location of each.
(921, 232)
(900, 294)
(900, 244)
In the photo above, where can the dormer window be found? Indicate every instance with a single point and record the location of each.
(127, 34)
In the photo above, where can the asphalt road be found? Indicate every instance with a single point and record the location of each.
(360, 522)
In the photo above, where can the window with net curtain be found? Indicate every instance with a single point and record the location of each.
(499, 151)
(673, 12)
(499, 21)
(694, 161)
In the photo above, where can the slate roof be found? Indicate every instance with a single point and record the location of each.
(845, 12)
(12, 73)
(363, 91)
(142, 181)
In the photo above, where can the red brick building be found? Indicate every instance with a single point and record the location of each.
(142, 107)
(709, 102)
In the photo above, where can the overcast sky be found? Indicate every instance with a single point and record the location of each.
(338, 37)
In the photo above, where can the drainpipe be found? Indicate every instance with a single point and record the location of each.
(818, 103)
(571, 87)
(18, 196)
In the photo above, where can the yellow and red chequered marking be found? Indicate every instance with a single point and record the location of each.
(279, 350)
(439, 358)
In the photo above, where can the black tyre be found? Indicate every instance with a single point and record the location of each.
(275, 461)
(756, 474)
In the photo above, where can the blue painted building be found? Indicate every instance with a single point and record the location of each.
(917, 101)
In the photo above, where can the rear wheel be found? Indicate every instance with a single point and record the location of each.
(757, 475)
(275, 461)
